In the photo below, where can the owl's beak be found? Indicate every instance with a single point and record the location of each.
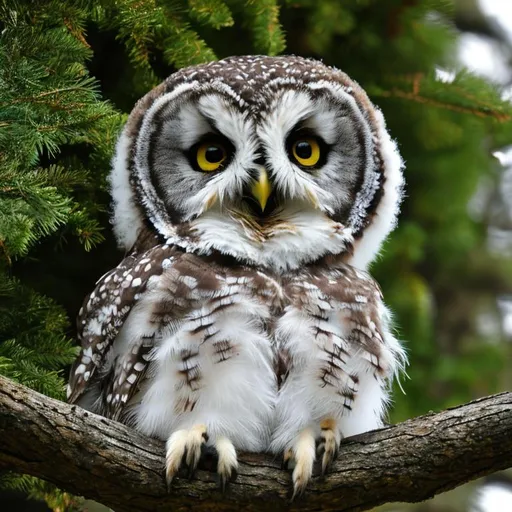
(262, 188)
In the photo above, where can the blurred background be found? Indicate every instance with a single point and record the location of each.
(481, 325)
(441, 70)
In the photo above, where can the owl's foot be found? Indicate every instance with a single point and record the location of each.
(187, 447)
(184, 446)
(329, 442)
(301, 455)
(227, 464)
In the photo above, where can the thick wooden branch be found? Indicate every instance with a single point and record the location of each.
(101, 459)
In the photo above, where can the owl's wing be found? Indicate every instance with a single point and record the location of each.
(350, 324)
(106, 309)
(367, 321)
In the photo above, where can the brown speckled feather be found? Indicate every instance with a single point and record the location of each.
(107, 307)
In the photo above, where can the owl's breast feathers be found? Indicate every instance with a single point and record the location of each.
(163, 291)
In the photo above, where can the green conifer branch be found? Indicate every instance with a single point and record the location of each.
(466, 93)
(262, 17)
(211, 12)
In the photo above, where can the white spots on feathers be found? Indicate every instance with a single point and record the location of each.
(80, 369)
(199, 340)
(189, 281)
(106, 309)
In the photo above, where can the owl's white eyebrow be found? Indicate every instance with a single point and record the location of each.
(299, 125)
(211, 122)
(214, 128)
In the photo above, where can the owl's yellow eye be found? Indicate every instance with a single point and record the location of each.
(306, 151)
(210, 156)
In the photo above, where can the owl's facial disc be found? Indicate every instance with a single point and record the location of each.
(274, 160)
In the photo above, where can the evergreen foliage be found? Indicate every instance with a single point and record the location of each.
(70, 71)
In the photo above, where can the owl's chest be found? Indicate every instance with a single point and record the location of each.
(213, 310)
(246, 303)
(204, 309)
(249, 299)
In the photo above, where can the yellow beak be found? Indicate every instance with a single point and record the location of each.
(261, 189)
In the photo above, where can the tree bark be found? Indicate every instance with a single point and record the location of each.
(101, 459)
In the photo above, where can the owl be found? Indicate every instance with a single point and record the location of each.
(249, 196)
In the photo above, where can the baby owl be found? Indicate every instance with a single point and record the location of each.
(250, 195)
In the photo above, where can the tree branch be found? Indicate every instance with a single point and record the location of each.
(88, 455)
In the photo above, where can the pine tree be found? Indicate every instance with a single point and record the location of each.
(48, 103)
(70, 71)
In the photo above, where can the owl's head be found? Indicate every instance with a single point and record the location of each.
(275, 161)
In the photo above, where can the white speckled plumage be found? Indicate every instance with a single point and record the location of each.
(236, 329)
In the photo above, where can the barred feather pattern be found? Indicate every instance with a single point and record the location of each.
(106, 308)
(340, 352)
(171, 339)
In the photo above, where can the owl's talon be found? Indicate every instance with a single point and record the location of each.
(184, 446)
(191, 470)
(224, 480)
(330, 439)
(287, 459)
(192, 455)
(327, 460)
